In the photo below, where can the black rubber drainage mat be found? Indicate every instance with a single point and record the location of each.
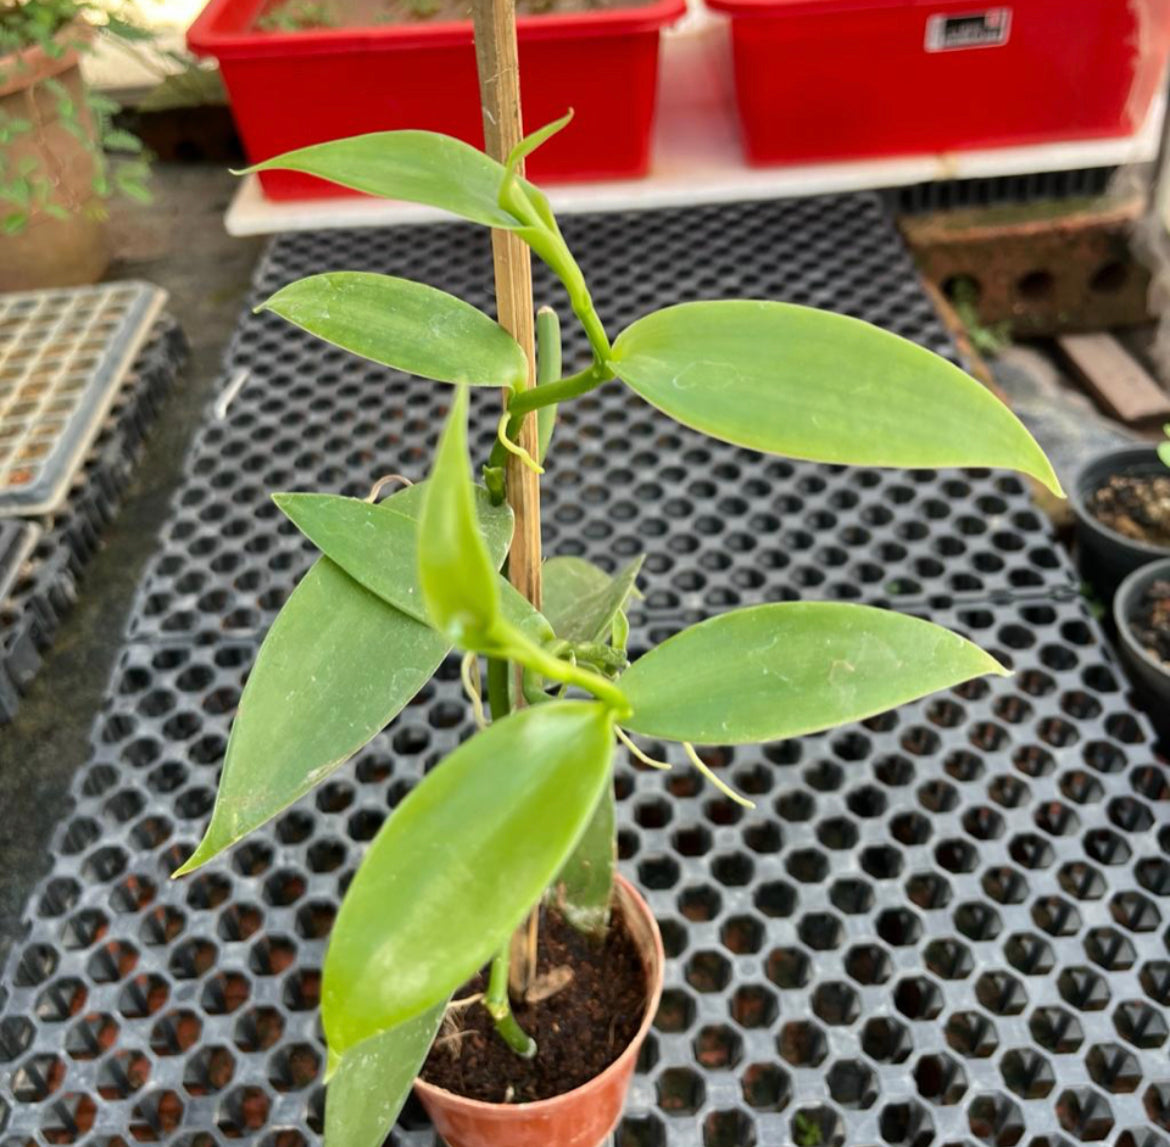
(47, 585)
(720, 526)
(945, 925)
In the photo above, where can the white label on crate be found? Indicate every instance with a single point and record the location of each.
(987, 29)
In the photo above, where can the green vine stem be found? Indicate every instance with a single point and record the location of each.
(500, 1008)
(496, 998)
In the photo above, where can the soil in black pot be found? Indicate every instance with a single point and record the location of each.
(579, 1031)
(1151, 622)
(1135, 506)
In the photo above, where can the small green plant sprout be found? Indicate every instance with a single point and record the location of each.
(1164, 446)
(524, 808)
(30, 181)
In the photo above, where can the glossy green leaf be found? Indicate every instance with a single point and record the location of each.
(811, 384)
(336, 667)
(406, 325)
(581, 601)
(416, 166)
(458, 580)
(459, 863)
(536, 139)
(378, 547)
(371, 1083)
(776, 671)
(583, 889)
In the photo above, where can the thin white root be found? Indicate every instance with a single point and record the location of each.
(469, 674)
(722, 786)
(377, 488)
(636, 752)
(515, 449)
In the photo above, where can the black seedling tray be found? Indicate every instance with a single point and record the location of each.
(944, 925)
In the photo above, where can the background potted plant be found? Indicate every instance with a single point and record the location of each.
(1121, 499)
(1141, 611)
(302, 71)
(510, 840)
(61, 156)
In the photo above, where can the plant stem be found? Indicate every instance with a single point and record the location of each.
(582, 382)
(500, 1008)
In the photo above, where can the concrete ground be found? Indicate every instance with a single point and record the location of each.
(177, 242)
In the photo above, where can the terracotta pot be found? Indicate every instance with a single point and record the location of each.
(582, 1117)
(49, 252)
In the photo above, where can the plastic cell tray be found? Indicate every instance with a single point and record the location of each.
(34, 603)
(943, 925)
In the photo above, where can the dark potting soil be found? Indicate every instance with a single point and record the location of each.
(1151, 623)
(579, 1031)
(1135, 506)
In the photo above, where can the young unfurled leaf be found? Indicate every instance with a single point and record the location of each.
(417, 166)
(377, 545)
(372, 1081)
(811, 384)
(581, 601)
(775, 671)
(408, 326)
(456, 574)
(460, 862)
(336, 667)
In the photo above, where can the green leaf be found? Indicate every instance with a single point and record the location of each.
(378, 547)
(1164, 453)
(406, 325)
(534, 140)
(13, 222)
(459, 863)
(336, 667)
(418, 166)
(583, 889)
(118, 140)
(776, 671)
(458, 580)
(581, 601)
(372, 1081)
(811, 384)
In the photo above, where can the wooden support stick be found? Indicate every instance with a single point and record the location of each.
(499, 89)
(503, 128)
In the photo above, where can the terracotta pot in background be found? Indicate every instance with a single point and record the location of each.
(50, 252)
(582, 1117)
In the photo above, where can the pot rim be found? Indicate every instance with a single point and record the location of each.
(1127, 591)
(36, 65)
(633, 1048)
(224, 29)
(1080, 507)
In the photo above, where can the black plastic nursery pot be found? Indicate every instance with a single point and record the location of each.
(1104, 556)
(1150, 675)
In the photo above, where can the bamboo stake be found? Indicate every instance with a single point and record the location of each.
(503, 128)
(499, 88)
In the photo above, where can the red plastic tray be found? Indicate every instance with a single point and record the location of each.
(823, 80)
(293, 89)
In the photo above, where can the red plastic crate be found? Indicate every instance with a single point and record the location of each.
(289, 90)
(842, 79)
